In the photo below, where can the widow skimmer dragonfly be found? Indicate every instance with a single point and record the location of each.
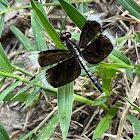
(92, 47)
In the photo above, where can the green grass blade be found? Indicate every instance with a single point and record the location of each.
(131, 6)
(8, 89)
(106, 86)
(25, 80)
(65, 101)
(2, 137)
(4, 2)
(22, 90)
(3, 5)
(121, 62)
(136, 137)
(2, 80)
(40, 7)
(28, 86)
(22, 38)
(135, 122)
(19, 1)
(105, 122)
(134, 105)
(106, 74)
(21, 98)
(3, 133)
(38, 33)
(48, 27)
(2, 23)
(129, 73)
(87, 101)
(119, 57)
(4, 61)
(117, 65)
(137, 38)
(31, 97)
(74, 14)
(49, 129)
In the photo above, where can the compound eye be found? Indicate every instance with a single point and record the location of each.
(65, 36)
(68, 34)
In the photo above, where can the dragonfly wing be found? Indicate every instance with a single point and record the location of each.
(50, 57)
(98, 50)
(90, 29)
(63, 73)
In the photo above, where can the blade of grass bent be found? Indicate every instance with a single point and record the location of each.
(48, 27)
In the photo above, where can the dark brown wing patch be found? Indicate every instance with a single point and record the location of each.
(63, 73)
(50, 57)
(97, 50)
(90, 29)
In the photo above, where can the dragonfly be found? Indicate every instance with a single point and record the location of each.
(94, 46)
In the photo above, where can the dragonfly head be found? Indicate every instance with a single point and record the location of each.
(64, 36)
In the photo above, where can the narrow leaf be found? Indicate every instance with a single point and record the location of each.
(131, 6)
(4, 133)
(21, 98)
(8, 89)
(106, 86)
(22, 38)
(119, 57)
(135, 122)
(2, 23)
(31, 97)
(46, 24)
(28, 86)
(49, 129)
(65, 100)
(117, 65)
(134, 105)
(74, 14)
(18, 1)
(38, 33)
(105, 122)
(4, 2)
(4, 61)
(2, 137)
(137, 38)
(129, 73)
(3, 5)
(100, 101)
